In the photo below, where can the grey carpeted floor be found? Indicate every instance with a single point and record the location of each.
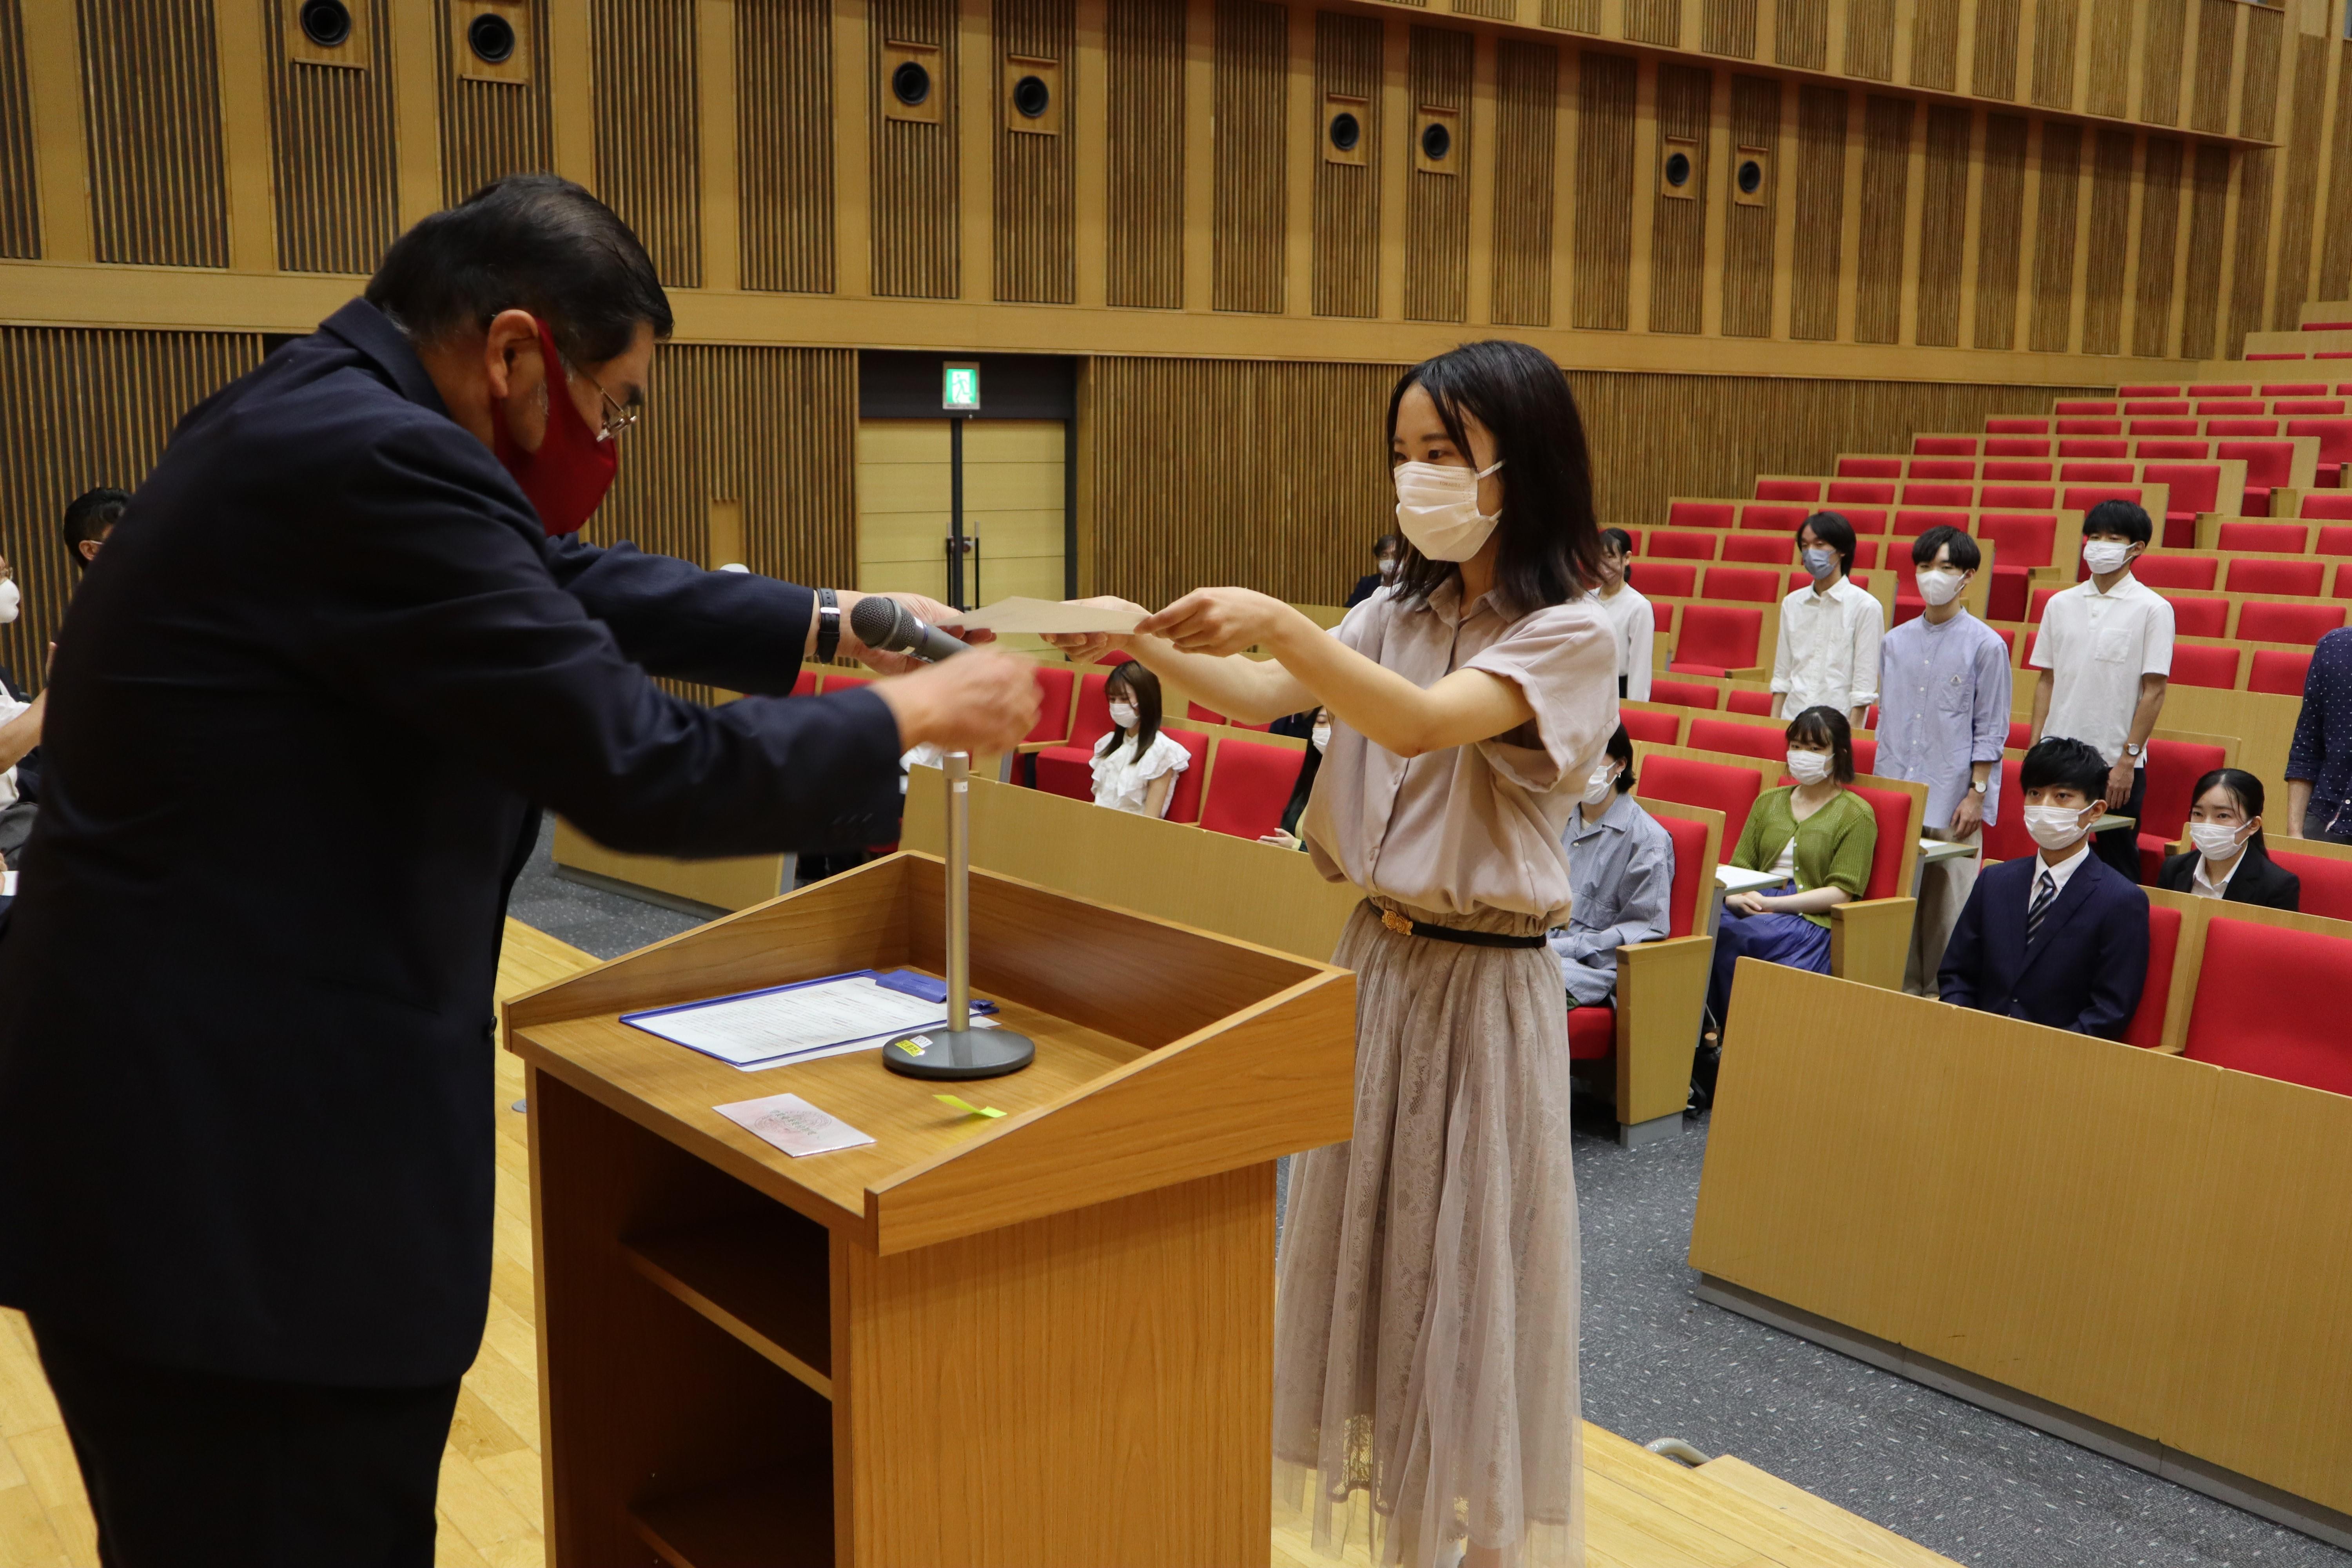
(1657, 1363)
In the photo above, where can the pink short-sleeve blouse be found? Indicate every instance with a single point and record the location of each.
(1478, 827)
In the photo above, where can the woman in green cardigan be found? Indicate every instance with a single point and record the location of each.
(1819, 836)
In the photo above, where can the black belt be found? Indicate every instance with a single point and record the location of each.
(1404, 926)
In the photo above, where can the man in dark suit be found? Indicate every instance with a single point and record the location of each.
(307, 704)
(2059, 938)
(1388, 551)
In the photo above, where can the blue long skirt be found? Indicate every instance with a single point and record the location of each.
(1775, 938)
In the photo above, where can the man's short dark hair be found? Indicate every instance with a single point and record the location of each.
(1832, 530)
(88, 515)
(1965, 553)
(2118, 517)
(530, 242)
(2062, 760)
(1389, 544)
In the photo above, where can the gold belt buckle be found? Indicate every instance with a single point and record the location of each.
(1396, 922)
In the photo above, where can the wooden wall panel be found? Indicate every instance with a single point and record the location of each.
(20, 207)
(783, 108)
(2107, 88)
(2335, 280)
(2216, 53)
(1144, 157)
(2055, 23)
(1728, 28)
(1526, 111)
(1936, 44)
(2258, 98)
(2164, 28)
(151, 100)
(1749, 237)
(2298, 214)
(1992, 70)
(332, 153)
(1604, 190)
(86, 408)
(1348, 195)
(647, 106)
(1658, 22)
(491, 128)
(1943, 224)
(1572, 16)
(2201, 287)
(1885, 190)
(2159, 228)
(1036, 260)
(2250, 270)
(917, 246)
(1821, 212)
(1870, 39)
(1493, 10)
(2000, 206)
(2109, 244)
(1247, 247)
(2053, 322)
(1437, 206)
(1678, 227)
(1801, 34)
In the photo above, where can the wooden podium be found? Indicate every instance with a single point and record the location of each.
(1039, 1340)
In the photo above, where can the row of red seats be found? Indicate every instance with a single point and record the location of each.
(2237, 389)
(2204, 408)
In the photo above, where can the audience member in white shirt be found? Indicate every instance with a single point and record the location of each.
(1631, 618)
(1827, 654)
(1136, 764)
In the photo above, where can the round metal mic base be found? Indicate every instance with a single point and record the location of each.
(951, 1053)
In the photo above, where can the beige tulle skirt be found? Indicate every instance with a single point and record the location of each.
(1426, 1322)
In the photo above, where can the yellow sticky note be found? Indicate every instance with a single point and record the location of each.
(967, 1107)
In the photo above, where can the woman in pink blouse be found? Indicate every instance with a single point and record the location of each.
(1425, 1378)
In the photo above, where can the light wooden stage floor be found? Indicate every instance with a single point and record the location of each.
(1644, 1511)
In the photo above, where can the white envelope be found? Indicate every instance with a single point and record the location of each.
(1038, 616)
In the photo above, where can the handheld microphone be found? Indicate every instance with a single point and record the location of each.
(887, 625)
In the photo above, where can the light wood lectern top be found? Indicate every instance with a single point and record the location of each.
(1040, 1340)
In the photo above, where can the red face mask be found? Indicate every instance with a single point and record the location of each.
(573, 467)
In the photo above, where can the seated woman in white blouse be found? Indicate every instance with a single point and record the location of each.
(1135, 764)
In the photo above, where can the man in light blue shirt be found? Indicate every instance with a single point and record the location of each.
(1943, 716)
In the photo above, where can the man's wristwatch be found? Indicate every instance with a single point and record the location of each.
(1978, 786)
(2132, 748)
(828, 623)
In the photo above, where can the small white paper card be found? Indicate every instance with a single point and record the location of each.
(793, 1125)
(1038, 616)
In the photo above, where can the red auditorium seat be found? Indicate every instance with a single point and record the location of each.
(2169, 570)
(1684, 693)
(2270, 464)
(2006, 838)
(1865, 519)
(1252, 786)
(2300, 624)
(1211, 716)
(1592, 1031)
(1768, 741)
(1910, 523)
(2277, 355)
(2197, 617)
(1893, 809)
(1092, 719)
(2295, 389)
(1756, 549)
(2305, 577)
(2041, 597)
(1699, 515)
(1184, 795)
(2306, 406)
(2016, 447)
(2334, 444)
(805, 684)
(1669, 544)
(1860, 492)
(2173, 769)
(1067, 771)
(1670, 579)
(2023, 470)
(2090, 427)
(1756, 514)
(2326, 883)
(2327, 326)
(1870, 468)
(2221, 389)
(2148, 392)
(2278, 670)
(1650, 728)
(2337, 507)
(1938, 493)
(1943, 468)
(2276, 538)
(2083, 498)
(2202, 664)
(1948, 445)
(2213, 408)
(2016, 425)
(2095, 473)
(2332, 541)
(2020, 539)
(1757, 702)
(2083, 406)
(2026, 496)
(1741, 584)
(2141, 429)
(2191, 488)
(1054, 683)
(2267, 1003)
(2147, 1026)
(1730, 788)
(2142, 408)
(2086, 446)
(1788, 489)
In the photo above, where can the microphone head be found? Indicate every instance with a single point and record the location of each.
(883, 624)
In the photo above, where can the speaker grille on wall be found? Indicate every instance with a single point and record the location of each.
(331, 144)
(1346, 176)
(492, 39)
(152, 113)
(20, 211)
(784, 144)
(913, 88)
(1144, 153)
(1036, 240)
(492, 125)
(332, 33)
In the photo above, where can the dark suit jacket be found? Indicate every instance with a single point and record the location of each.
(2259, 879)
(306, 706)
(2085, 972)
(1366, 586)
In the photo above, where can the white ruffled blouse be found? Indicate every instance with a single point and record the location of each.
(1123, 779)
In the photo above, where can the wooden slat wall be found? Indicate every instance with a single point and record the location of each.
(491, 128)
(1604, 190)
(1993, 71)
(1572, 16)
(2256, 171)
(1820, 212)
(1728, 28)
(1999, 230)
(2258, 100)
(1527, 113)
(20, 212)
(1437, 206)
(2164, 25)
(1886, 189)
(1252, 76)
(2334, 281)
(2108, 89)
(2054, 246)
(1870, 39)
(2297, 210)
(86, 408)
(331, 139)
(2109, 243)
(1936, 44)
(1036, 261)
(1749, 231)
(648, 156)
(151, 76)
(1348, 195)
(1802, 37)
(783, 108)
(2055, 25)
(917, 247)
(1658, 22)
(1678, 227)
(2159, 227)
(1144, 153)
(2201, 286)
(1943, 224)
(2216, 52)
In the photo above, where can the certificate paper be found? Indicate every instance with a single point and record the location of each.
(1042, 615)
(797, 1023)
(793, 1125)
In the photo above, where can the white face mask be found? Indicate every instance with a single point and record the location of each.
(1938, 586)
(1123, 715)
(1388, 568)
(1807, 767)
(9, 600)
(1820, 563)
(2215, 840)
(2055, 827)
(1601, 784)
(1321, 736)
(2106, 555)
(1437, 510)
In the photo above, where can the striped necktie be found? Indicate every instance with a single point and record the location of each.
(2043, 893)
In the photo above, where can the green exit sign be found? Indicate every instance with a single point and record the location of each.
(959, 388)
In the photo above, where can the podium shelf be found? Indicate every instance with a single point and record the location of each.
(768, 1289)
(778, 1518)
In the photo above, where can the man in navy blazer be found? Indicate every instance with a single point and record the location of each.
(304, 713)
(2060, 937)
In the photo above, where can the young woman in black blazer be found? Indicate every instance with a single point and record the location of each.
(2226, 824)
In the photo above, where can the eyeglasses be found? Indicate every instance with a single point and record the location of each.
(619, 417)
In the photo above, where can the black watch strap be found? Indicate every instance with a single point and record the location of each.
(828, 623)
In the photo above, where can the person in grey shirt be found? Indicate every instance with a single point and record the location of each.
(1620, 869)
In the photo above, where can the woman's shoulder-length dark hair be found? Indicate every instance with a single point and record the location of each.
(1550, 549)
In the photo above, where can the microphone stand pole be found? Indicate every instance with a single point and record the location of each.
(958, 1050)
